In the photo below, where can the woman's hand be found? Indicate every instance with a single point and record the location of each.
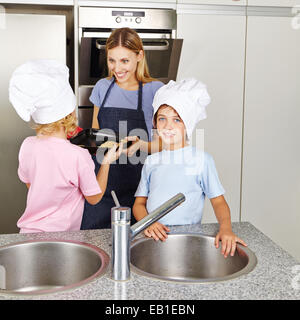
(229, 240)
(157, 231)
(136, 144)
(113, 154)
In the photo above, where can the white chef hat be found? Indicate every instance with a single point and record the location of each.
(41, 89)
(188, 97)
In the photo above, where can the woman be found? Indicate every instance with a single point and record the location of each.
(124, 99)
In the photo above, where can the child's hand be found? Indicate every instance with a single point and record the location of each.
(157, 231)
(113, 154)
(136, 144)
(229, 240)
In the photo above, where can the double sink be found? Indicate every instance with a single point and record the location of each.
(44, 267)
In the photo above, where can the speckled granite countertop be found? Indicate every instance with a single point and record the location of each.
(272, 278)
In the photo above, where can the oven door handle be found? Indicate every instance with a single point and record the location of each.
(99, 45)
(163, 47)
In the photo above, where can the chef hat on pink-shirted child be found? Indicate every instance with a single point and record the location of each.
(40, 89)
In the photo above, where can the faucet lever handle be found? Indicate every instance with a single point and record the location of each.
(156, 214)
(117, 203)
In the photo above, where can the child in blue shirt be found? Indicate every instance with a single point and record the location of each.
(179, 167)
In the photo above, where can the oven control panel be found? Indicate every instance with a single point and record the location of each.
(128, 16)
(95, 17)
(136, 20)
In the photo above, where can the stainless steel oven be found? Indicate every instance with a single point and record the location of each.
(156, 28)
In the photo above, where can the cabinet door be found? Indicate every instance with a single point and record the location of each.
(213, 52)
(271, 170)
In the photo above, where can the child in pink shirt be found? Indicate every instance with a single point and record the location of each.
(58, 174)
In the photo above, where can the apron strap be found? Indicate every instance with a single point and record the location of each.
(107, 92)
(140, 97)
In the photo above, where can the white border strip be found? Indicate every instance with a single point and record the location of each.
(212, 9)
(119, 4)
(40, 2)
(270, 11)
(235, 10)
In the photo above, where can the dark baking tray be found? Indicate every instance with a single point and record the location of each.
(92, 139)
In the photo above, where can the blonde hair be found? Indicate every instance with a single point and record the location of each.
(128, 38)
(69, 123)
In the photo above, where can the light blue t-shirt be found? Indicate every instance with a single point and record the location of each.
(187, 170)
(121, 98)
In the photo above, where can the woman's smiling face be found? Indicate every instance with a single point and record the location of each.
(122, 62)
(170, 128)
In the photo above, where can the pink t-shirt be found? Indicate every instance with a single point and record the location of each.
(59, 174)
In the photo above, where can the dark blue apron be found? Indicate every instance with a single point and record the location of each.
(122, 178)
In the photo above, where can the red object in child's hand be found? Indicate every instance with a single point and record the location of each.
(72, 134)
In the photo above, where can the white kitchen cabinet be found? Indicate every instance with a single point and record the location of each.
(23, 37)
(274, 3)
(213, 52)
(271, 153)
(214, 2)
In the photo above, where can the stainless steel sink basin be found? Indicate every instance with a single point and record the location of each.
(40, 267)
(188, 258)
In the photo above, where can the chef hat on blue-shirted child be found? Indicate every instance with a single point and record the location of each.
(40, 89)
(189, 97)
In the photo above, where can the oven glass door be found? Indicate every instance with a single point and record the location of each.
(162, 57)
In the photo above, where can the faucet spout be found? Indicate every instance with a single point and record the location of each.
(157, 214)
(122, 233)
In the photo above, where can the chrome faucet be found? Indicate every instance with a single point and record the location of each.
(122, 233)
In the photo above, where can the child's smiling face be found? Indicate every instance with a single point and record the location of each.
(170, 128)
